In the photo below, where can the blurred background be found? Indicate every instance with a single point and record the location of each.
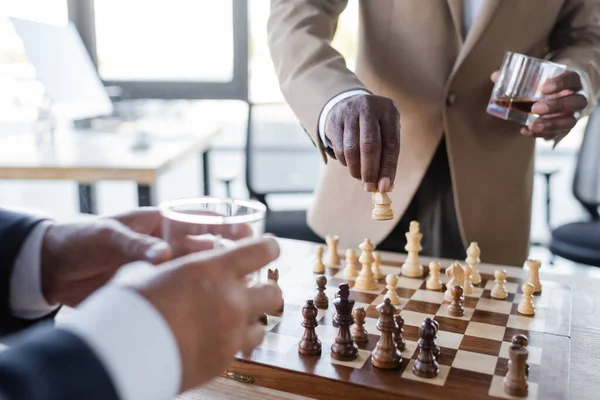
(174, 72)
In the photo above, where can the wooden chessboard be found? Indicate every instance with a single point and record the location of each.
(474, 347)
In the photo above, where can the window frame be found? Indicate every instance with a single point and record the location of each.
(81, 13)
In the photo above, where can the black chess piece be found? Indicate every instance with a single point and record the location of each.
(436, 348)
(321, 300)
(426, 365)
(386, 354)
(333, 320)
(344, 348)
(309, 345)
(456, 309)
(359, 333)
(523, 341)
(398, 338)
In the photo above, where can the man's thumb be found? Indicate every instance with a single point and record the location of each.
(139, 247)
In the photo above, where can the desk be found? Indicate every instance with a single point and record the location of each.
(90, 156)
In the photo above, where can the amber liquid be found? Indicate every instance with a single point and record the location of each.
(522, 105)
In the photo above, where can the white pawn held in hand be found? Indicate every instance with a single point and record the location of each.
(433, 282)
(473, 260)
(534, 275)
(351, 270)
(392, 281)
(376, 263)
(499, 289)
(467, 286)
(382, 209)
(412, 267)
(526, 306)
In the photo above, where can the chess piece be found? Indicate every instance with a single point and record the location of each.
(526, 306)
(344, 348)
(263, 319)
(515, 381)
(366, 280)
(455, 309)
(351, 270)
(382, 210)
(456, 275)
(386, 354)
(467, 285)
(319, 267)
(391, 281)
(273, 277)
(433, 282)
(436, 347)
(333, 317)
(473, 260)
(398, 337)
(534, 275)
(333, 258)
(359, 333)
(412, 267)
(309, 345)
(376, 263)
(499, 289)
(321, 300)
(426, 365)
(523, 341)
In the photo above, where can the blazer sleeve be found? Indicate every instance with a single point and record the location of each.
(575, 41)
(14, 229)
(47, 363)
(310, 71)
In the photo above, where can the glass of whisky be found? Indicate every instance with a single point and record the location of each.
(519, 85)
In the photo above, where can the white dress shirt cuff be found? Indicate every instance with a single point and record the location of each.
(26, 298)
(133, 342)
(329, 106)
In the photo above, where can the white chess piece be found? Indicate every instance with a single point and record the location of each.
(534, 275)
(333, 258)
(365, 279)
(473, 260)
(319, 268)
(412, 267)
(391, 282)
(382, 207)
(456, 275)
(376, 262)
(499, 290)
(351, 270)
(526, 306)
(433, 282)
(467, 285)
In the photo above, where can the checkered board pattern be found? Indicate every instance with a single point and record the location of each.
(474, 347)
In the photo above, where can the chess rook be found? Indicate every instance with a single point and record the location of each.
(309, 345)
(351, 269)
(515, 381)
(426, 365)
(456, 275)
(382, 210)
(526, 306)
(321, 300)
(344, 348)
(319, 267)
(412, 267)
(376, 263)
(534, 275)
(473, 260)
(359, 333)
(433, 282)
(333, 258)
(499, 289)
(386, 354)
(391, 282)
(366, 280)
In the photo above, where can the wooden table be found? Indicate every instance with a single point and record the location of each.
(88, 156)
(585, 332)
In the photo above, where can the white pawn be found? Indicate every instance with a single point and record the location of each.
(534, 275)
(391, 281)
(375, 268)
(433, 282)
(319, 268)
(526, 306)
(499, 290)
(473, 260)
(412, 267)
(467, 286)
(351, 270)
(456, 275)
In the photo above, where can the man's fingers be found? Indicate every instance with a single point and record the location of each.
(352, 146)
(135, 246)
(370, 150)
(567, 104)
(248, 257)
(264, 298)
(561, 124)
(254, 337)
(335, 134)
(390, 149)
(494, 76)
(566, 80)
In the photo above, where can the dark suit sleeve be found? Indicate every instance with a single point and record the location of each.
(14, 229)
(48, 364)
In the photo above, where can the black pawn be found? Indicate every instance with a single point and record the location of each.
(436, 348)
(321, 300)
(400, 342)
(426, 365)
(309, 345)
(523, 341)
(344, 348)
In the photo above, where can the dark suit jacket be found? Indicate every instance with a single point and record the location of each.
(41, 362)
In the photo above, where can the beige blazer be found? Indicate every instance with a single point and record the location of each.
(412, 51)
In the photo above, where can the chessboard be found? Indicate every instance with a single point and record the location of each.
(474, 348)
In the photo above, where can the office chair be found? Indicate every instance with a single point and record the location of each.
(280, 160)
(580, 241)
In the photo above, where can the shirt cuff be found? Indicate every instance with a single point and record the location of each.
(132, 341)
(26, 299)
(329, 106)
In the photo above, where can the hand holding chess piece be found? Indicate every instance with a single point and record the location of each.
(382, 209)
(499, 289)
(534, 275)
(473, 260)
(433, 282)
